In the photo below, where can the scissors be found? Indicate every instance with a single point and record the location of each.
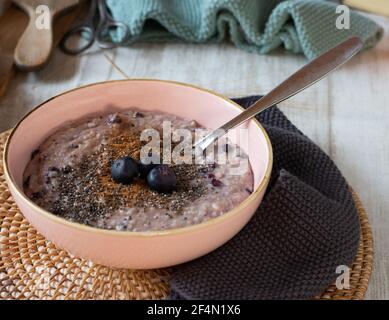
(96, 26)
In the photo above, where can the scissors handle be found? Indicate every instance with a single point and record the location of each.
(89, 36)
(90, 33)
(85, 28)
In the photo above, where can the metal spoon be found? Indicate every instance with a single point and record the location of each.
(300, 80)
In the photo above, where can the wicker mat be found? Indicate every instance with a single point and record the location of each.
(33, 268)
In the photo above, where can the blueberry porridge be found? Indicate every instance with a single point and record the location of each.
(89, 171)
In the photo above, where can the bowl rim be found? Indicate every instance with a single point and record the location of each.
(48, 215)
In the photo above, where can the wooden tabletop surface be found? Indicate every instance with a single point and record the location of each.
(347, 113)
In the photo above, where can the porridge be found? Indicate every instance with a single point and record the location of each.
(89, 171)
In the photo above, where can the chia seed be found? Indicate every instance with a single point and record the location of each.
(216, 183)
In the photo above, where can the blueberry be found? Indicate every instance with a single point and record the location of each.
(162, 179)
(144, 169)
(124, 170)
(216, 182)
(137, 114)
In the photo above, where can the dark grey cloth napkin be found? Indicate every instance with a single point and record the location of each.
(305, 227)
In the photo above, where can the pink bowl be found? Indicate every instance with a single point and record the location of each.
(136, 250)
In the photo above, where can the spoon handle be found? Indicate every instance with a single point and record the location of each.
(300, 80)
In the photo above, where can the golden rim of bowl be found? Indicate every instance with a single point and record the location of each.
(83, 227)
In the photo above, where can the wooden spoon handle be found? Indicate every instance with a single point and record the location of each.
(35, 45)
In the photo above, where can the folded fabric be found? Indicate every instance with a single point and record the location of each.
(301, 26)
(305, 227)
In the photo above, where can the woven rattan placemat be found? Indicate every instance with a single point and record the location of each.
(31, 267)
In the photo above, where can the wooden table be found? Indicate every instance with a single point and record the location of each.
(347, 113)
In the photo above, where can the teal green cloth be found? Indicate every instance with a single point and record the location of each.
(300, 26)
